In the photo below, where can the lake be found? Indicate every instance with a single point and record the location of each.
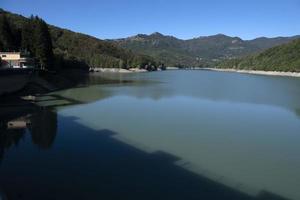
(162, 135)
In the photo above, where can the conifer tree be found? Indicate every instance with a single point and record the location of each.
(43, 45)
(28, 39)
(6, 35)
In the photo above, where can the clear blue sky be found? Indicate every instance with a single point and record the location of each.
(182, 18)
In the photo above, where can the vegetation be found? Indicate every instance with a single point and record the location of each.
(165, 49)
(285, 57)
(33, 38)
(197, 52)
(7, 40)
(55, 48)
(36, 39)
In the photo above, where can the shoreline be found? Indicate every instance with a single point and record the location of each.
(256, 72)
(119, 70)
(173, 68)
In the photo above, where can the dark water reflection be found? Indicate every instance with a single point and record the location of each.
(43, 128)
(39, 123)
(9, 139)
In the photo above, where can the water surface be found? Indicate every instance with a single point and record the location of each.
(166, 135)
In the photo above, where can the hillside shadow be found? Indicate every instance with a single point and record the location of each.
(91, 164)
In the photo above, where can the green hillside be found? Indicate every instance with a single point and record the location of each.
(285, 57)
(200, 52)
(166, 49)
(72, 49)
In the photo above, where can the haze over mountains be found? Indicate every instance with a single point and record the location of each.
(201, 51)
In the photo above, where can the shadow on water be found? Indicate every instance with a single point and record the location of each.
(43, 128)
(82, 163)
(40, 122)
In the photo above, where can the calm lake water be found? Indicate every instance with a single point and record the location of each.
(161, 135)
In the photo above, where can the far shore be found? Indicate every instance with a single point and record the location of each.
(119, 70)
(130, 70)
(258, 72)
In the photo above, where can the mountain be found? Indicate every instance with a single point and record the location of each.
(73, 49)
(265, 43)
(285, 57)
(166, 49)
(201, 51)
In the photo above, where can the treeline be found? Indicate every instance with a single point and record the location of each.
(280, 58)
(93, 52)
(33, 38)
(56, 48)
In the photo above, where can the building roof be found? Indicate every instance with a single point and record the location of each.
(10, 52)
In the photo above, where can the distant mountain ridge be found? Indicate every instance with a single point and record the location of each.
(201, 51)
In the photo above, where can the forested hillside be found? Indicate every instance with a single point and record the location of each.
(199, 52)
(285, 57)
(66, 48)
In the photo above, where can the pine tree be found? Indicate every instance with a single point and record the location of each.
(6, 35)
(28, 39)
(43, 45)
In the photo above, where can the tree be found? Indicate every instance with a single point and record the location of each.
(43, 45)
(121, 64)
(6, 35)
(27, 43)
(70, 49)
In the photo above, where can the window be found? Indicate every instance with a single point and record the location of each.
(3, 56)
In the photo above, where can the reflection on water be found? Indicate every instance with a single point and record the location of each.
(8, 139)
(229, 87)
(167, 135)
(43, 128)
(214, 86)
(40, 123)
